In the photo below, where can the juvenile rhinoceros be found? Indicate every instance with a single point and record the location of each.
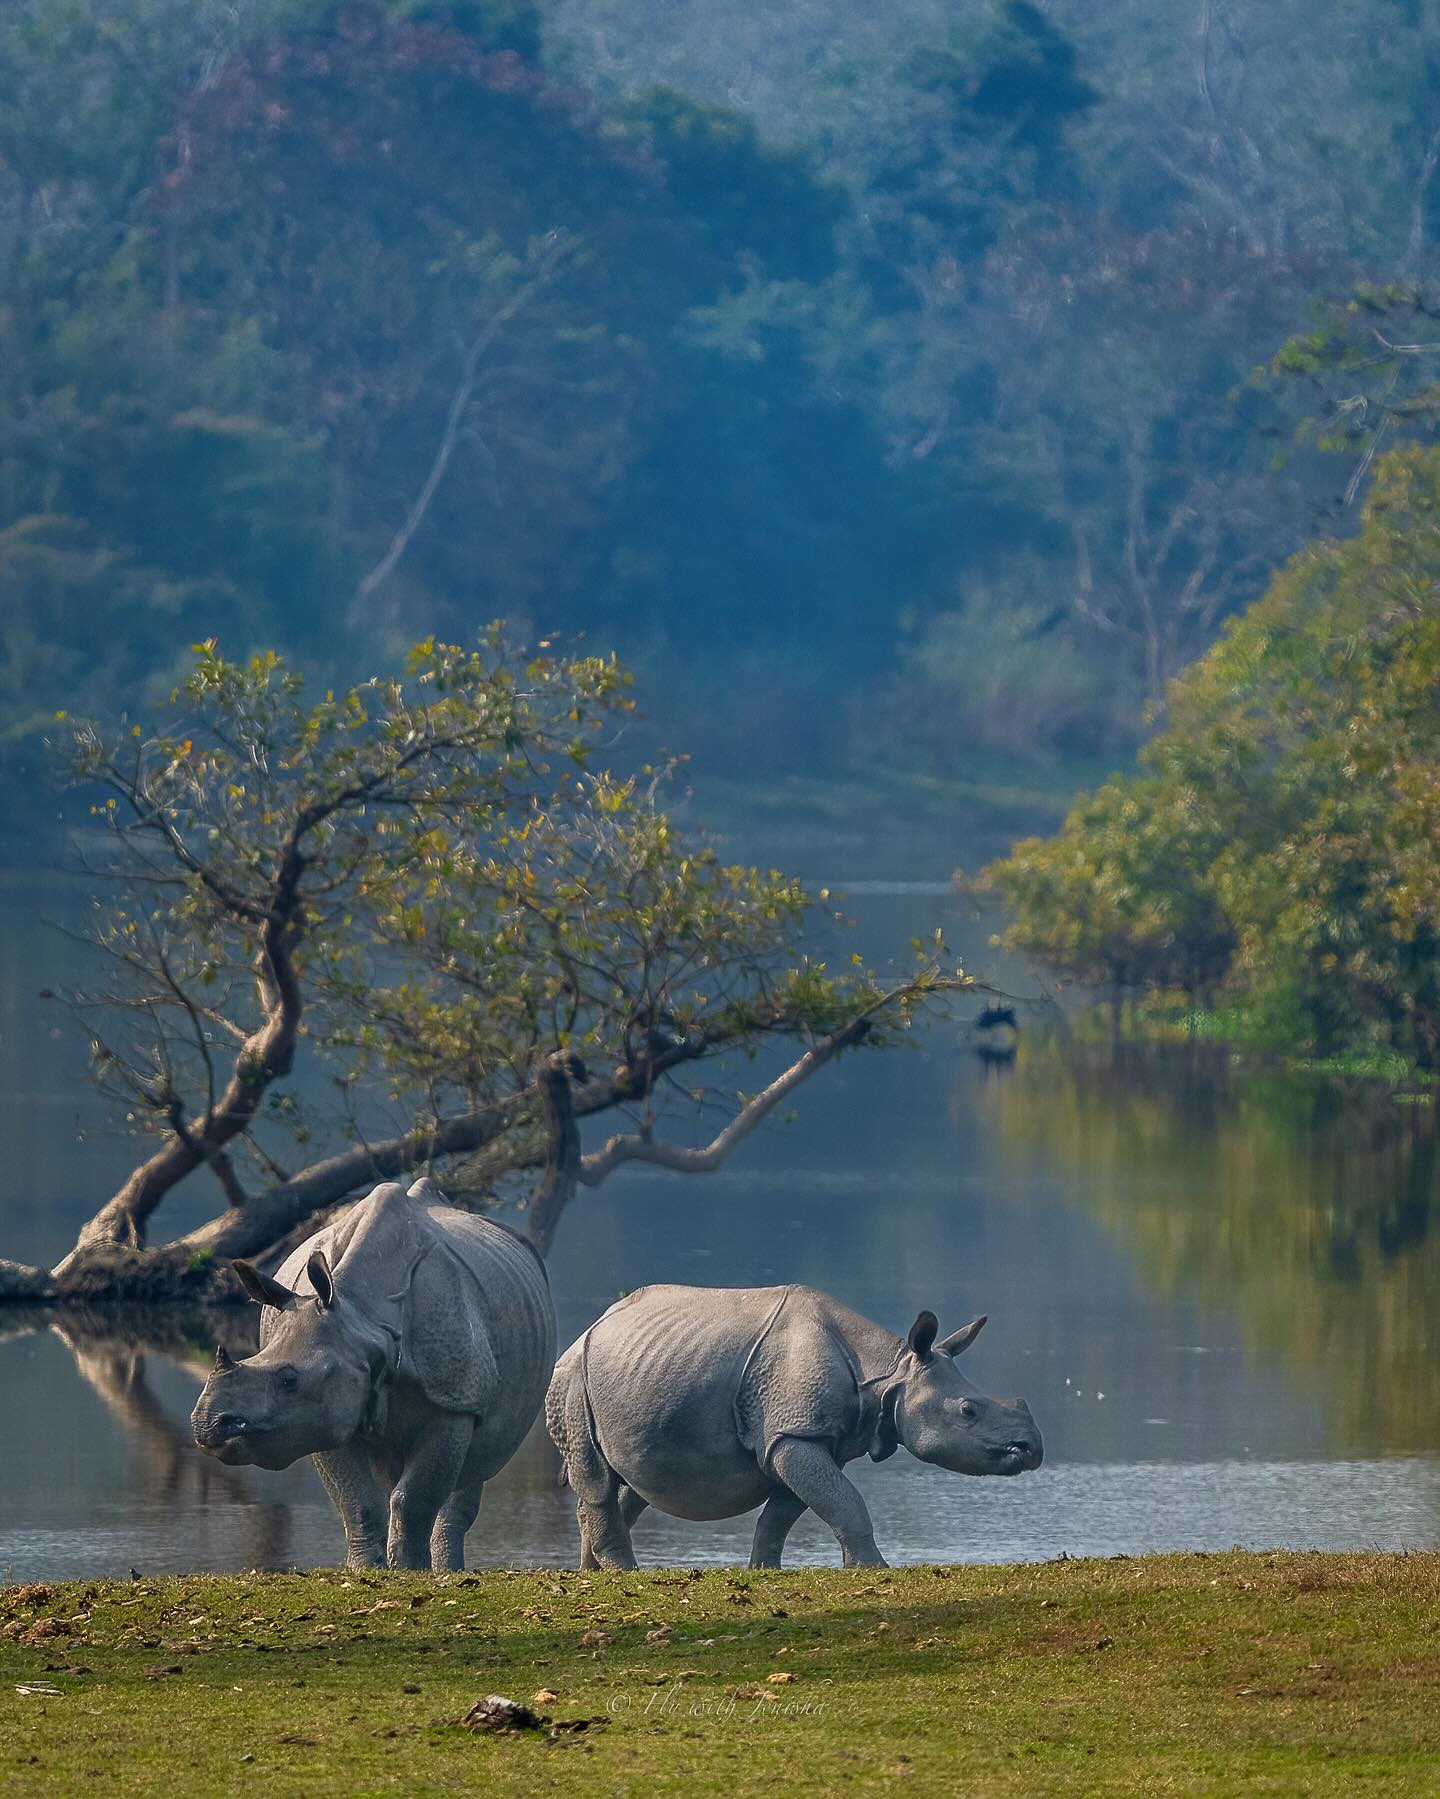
(406, 1348)
(707, 1401)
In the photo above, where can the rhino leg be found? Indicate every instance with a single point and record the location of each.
(599, 1491)
(603, 1535)
(348, 1478)
(777, 1515)
(812, 1475)
(631, 1505)
(447, 1539)
(430, 1475)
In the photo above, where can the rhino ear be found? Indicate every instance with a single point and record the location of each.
(321, 1279)
(223, 1363)
(959, 1341)
(885, 1439)
(427, 1192)
(922, 1335)
(260, 1287)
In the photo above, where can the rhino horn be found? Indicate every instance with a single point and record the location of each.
(223, 1362)
(963, 1338)
(922, 1335)
(261, 1288)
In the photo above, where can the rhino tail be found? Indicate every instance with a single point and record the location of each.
(571, 1423)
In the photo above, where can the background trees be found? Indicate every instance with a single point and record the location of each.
(1052, 324)
(894, 390)
(847, 368)
(1285, 832)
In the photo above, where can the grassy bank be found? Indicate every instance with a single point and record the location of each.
(1164, 1018)
(1188, 1674)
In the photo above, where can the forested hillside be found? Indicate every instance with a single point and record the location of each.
(881, 381)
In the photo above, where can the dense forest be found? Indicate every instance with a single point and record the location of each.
(1280, 846)
(888, 386)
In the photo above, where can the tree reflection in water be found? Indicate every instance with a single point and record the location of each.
(1307, 1206)
(112, 1350)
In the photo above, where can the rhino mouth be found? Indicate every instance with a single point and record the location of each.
(234, 1452)
(1020, 1458)
(252, 1447)
(227, 1440)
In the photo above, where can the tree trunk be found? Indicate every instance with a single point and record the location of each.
(18, 1280)
(250, 1230)
(562, 1152)
(100, 1267)
(265, 1057)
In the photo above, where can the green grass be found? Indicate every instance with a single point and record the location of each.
(1175, 1674)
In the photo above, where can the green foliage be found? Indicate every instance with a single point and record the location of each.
(274, 349)
(426, 875)
(863, 358)
(1367, 372)
(974, 133)
(749, 198)
(1113, 899)
(1286, 830)
(1073, 233)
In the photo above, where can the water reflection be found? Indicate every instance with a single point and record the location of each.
(165, 1508)
(1217, 1289)
(114, 1355)
(1308, 1209)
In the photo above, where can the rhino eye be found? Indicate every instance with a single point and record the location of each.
(969, 1410)
(289, 1381)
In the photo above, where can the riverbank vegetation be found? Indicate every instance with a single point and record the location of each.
(1183, 1673)
(1279, 849)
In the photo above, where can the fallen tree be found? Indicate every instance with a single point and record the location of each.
(412, 927)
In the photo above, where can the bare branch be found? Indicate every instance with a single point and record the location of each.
(555, 253)
(265, 1056)
(1416, 245)
(1405, 349)
(595, 1167)
(224, 1171)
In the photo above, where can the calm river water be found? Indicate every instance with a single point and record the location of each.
(1218, 1288)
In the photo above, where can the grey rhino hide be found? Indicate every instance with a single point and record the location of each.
(705, 1402)
(400, 1276)
(416, 1340)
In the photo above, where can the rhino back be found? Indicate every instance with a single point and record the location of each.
(690, 1388)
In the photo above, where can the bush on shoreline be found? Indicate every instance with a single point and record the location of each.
(1280, 847)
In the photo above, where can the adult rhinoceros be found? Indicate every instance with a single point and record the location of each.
(707, 1401)
(406, 1348)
